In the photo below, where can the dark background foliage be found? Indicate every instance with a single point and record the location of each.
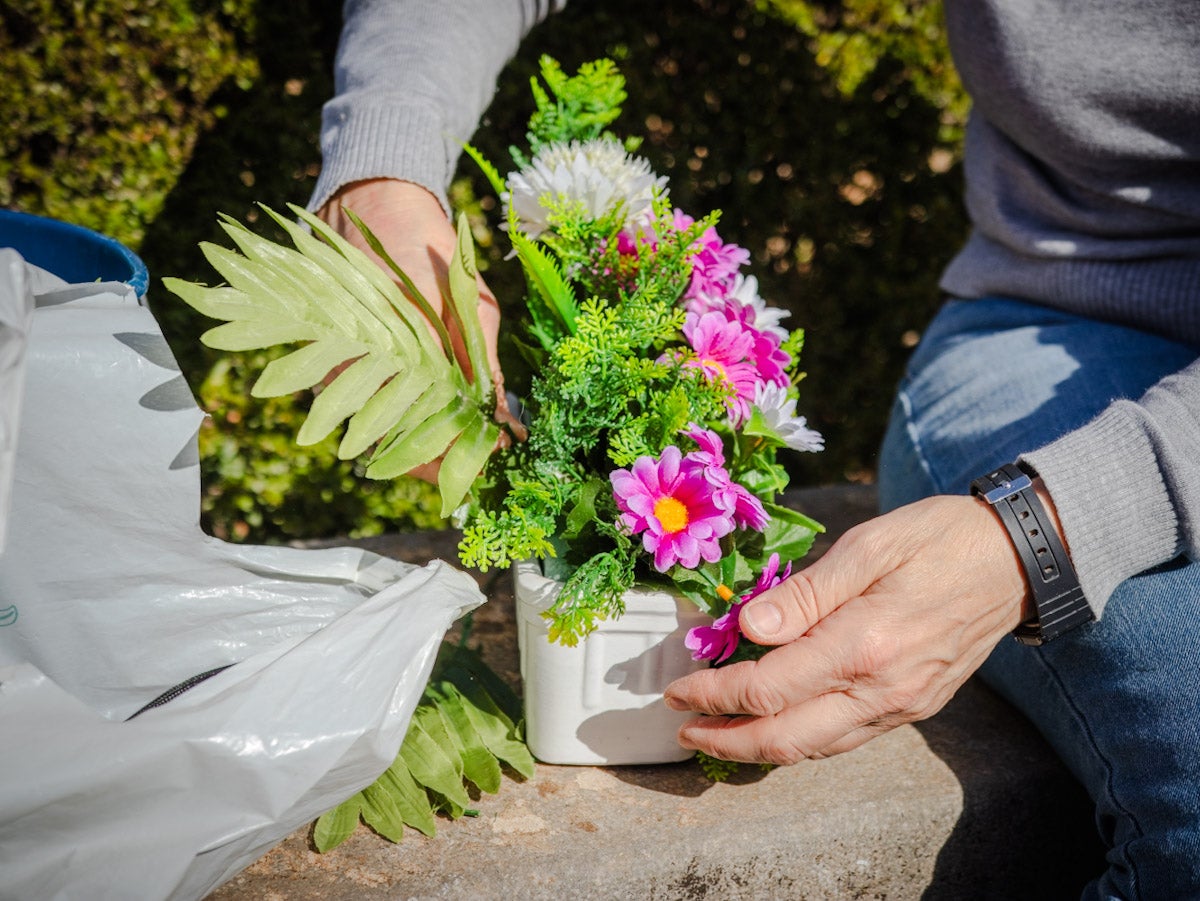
(827, 132)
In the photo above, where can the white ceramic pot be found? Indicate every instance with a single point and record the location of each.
(601, 702)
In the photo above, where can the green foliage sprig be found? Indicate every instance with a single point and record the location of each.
(573, 108)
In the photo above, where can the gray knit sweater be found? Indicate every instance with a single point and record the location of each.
(1083, 186)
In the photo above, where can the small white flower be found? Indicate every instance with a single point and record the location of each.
(596, 175)
(766, 318)
(779, 411)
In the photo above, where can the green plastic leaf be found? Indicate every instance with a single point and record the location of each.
(584, 511)
(374, 300)
(292, 281)
(758, 426)
(409, 797)
(490, 172)
(388, 406)
(789, 533)
(335, 826)
(345, 396)
(436, 397)
(544, 276)
(397, 388)
(498, 738)
(463, 303)
(251, 278)
(381, 812)
(222, 302)
(432, 767)
(251, 334)
(479, 764)
(735, 570)
(414, 292)
(700, 586)
(304, 367)
(422, 444)
(464, 461)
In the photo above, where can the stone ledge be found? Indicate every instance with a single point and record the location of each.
(961, 806)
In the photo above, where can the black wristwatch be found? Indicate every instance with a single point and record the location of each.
(1057, 596)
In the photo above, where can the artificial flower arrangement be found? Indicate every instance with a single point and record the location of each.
(662, 389)
(663, 386)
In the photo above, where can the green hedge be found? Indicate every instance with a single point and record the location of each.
(827, 132)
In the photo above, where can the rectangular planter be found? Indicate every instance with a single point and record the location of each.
(601, 702)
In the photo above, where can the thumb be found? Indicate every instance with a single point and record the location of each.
(790, 609)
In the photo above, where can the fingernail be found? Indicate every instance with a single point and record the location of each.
(763, 618)
(675, 703)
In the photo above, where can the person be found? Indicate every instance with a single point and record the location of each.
(1060, 379)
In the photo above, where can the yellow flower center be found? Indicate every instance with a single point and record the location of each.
(713, 364)
(671, 513)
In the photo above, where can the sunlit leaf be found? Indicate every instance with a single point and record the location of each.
(335, 826)
(422, 444)
(381, 413)
(345, 396)
(432, 767)
(410, 798)
(464, 306)
(305, 367)
(251, 334)
(464, 460)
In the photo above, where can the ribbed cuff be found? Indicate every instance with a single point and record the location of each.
(1114, 507)
(360, 142)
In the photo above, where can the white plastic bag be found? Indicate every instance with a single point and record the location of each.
(114, 595)
(16, 308)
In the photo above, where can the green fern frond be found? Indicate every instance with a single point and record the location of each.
(397, 382)
(464, 729)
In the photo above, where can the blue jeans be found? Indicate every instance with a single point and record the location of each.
(1119, 700)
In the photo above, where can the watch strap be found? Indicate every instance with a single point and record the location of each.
(1057, 596)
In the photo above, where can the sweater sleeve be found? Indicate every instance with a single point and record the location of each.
(1127, 485)
(412, 78)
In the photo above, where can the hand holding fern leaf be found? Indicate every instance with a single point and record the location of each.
(412, 226)
(397, 384)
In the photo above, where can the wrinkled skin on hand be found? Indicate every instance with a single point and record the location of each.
(881, 631)
(416, 232)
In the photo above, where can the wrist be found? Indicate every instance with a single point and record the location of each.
(1027, 513)
(373, 198)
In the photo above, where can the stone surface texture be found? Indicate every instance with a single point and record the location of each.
(965, 805)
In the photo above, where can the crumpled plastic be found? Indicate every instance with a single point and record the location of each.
(16, 309)
(110, 595)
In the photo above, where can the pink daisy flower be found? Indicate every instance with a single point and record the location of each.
(723, 347)
(769, 359)
(673, 507)
(746, 509)
(718, 641)
(716, 264)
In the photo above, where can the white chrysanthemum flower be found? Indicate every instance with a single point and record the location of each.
(595, 175)
(779, 411)
(766, 318)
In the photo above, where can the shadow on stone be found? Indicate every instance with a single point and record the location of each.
(1026, 828)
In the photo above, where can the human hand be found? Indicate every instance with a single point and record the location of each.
(414, 229)
(881, 631)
